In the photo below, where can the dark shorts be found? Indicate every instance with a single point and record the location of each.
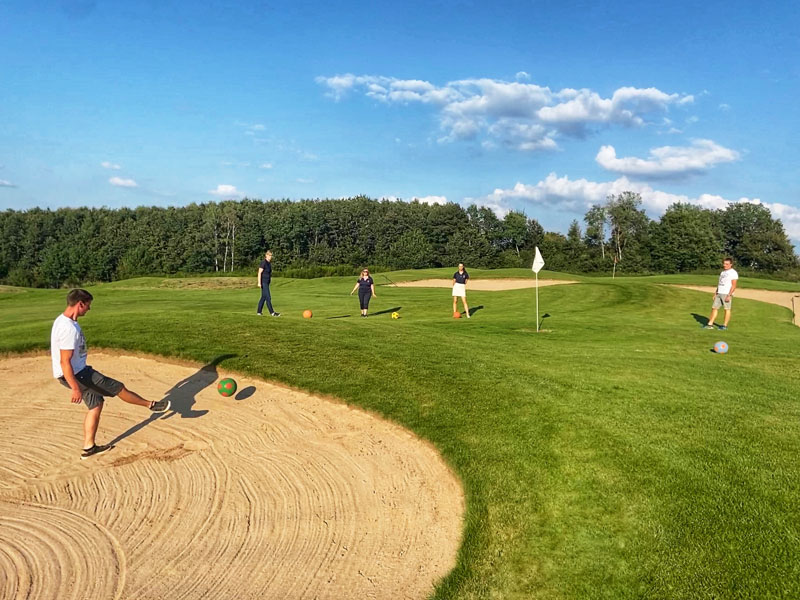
(94, 386)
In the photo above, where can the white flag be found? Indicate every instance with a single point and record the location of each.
(538, 261)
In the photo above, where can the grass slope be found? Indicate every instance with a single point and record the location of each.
(614, 456)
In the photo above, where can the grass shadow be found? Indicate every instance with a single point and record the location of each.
(340, 317)
(700, 319)
(388, 310)
(182, 397)
(473, 309)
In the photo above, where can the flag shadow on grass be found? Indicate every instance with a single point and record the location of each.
(544, 316)
(182, 397)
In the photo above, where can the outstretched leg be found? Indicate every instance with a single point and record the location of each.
(134, 398)
(712, 318)
(464, 302)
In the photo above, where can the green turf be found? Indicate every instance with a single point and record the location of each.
(613, 455)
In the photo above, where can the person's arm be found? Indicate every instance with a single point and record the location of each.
(260, 271)
(355, 287)
(66, 368)
(733, 288)
(372, 287)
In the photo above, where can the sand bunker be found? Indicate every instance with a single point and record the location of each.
(484, 285)
(790, 300)
(270, 494)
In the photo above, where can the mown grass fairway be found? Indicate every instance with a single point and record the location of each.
(613, 456)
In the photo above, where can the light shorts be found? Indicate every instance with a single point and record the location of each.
(460, 290)
(94, 386)
(719, 302)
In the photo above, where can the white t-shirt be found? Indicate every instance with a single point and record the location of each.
(67, 335)
(726, 279)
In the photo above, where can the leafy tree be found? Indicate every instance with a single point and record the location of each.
(685, 240)
(411, 251)
(754, 239)
(595, 219)
(574, 247)
(629, 230)
(466, 247)
(515, 228)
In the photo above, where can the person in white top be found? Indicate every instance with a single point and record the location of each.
(68, 351)
(723, 293)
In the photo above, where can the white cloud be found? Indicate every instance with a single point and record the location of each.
(497, 206)
(520, 115)
(432, 199)
(579, 194)
(265, 165)
(6, 183)
(522, 75)
(120, 182)
(304, 180)
(226, 191)
(725, 107)
(668, 161)
(109, 165)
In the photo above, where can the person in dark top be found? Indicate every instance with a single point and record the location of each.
(264, 277)
(460, 278)
(366, 290)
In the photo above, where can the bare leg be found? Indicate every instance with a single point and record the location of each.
(464, 302)
(713, 316)
(727, 317)
(455, 304)
(90, 423)
(133, 398)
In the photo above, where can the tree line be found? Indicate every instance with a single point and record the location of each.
(51, 248)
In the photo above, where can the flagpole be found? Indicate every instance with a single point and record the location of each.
(537, 302)
(538, 263)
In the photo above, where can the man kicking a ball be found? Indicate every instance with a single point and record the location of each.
(724, 293)
(69, 352)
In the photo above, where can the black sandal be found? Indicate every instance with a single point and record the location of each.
(88, 452)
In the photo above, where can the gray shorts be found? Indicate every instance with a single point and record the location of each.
(94, 386)
(719, 302)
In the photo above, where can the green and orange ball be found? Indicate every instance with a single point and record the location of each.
(226, 387)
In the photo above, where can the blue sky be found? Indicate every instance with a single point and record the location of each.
(545, 107)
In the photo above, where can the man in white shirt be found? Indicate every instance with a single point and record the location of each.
(68, 351)
(723, 294)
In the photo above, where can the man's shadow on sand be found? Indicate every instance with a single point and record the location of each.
(182, 397)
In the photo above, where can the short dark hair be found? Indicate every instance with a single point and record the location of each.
(727, 259)
(78, 295)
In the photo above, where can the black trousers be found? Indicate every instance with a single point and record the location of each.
(265, 297)
(363, 298)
